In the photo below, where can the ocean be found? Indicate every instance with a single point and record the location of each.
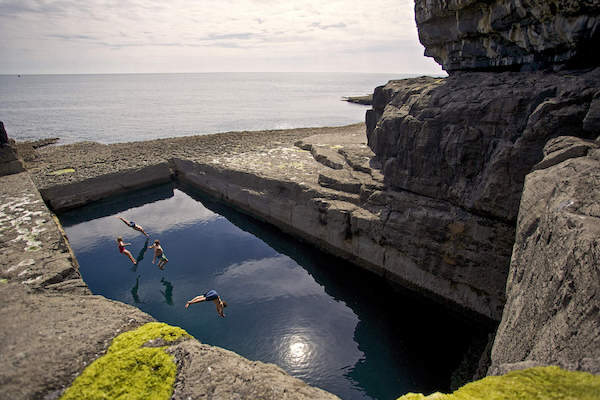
(113, 108)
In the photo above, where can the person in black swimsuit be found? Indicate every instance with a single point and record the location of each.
(213, 296)
(133, 225)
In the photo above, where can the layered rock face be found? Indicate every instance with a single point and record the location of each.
(509, 34)
(467, 142)
(470, 139)
(553, 289)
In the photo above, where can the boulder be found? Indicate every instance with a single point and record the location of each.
(10, 163)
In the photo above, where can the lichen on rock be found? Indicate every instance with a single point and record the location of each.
(533, 383)
(129, 370)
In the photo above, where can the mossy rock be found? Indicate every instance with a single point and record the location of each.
(539, 383)
(130, 371)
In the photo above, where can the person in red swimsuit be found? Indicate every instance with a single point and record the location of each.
(123, 250)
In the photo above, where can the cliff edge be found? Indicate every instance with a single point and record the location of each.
(513, 35)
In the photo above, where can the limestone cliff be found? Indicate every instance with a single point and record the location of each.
(523, 74)
(509, 34)
(553, 289)
(456, 151)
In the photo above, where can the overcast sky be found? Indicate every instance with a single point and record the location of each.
(104, 36)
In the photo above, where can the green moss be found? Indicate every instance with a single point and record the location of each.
(62, 171)
(532, 384)
(129, 371)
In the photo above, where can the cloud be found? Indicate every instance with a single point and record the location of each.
(71, 37)
(182, 34)
(339, 25)
(241, 36)
(267, 279)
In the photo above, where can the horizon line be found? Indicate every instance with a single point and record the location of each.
(20, 74)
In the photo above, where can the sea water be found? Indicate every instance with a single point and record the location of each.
(129, 107)
(318, 317)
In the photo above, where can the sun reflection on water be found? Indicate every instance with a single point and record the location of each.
(297, 352)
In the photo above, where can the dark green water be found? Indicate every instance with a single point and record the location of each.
(319, 318)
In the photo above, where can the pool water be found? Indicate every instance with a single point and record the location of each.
(320, 318)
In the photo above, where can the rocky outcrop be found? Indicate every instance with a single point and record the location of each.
(470, 139)
(553, 289)
(10, 163)
(366, 100)
(509, 34)
(462, 146)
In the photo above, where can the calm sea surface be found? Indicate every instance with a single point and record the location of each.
(128, 107)
(319, 318)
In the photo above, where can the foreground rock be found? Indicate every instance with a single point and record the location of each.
(553, 289)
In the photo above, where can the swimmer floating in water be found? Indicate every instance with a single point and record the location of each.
(133, 225)
(160, 254)
(123, 250)
(208, 296)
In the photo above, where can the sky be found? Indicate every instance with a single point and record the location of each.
(143, 36)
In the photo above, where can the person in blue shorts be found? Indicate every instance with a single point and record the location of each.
(213, 296)
(133, 225)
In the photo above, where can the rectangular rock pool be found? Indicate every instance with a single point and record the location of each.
(320, 318)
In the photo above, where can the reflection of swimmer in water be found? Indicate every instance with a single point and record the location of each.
(133, 225)
(134, 290)
(213, 296)
(160, 254)
(123, 250)
(140, 256)
(168, 293)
